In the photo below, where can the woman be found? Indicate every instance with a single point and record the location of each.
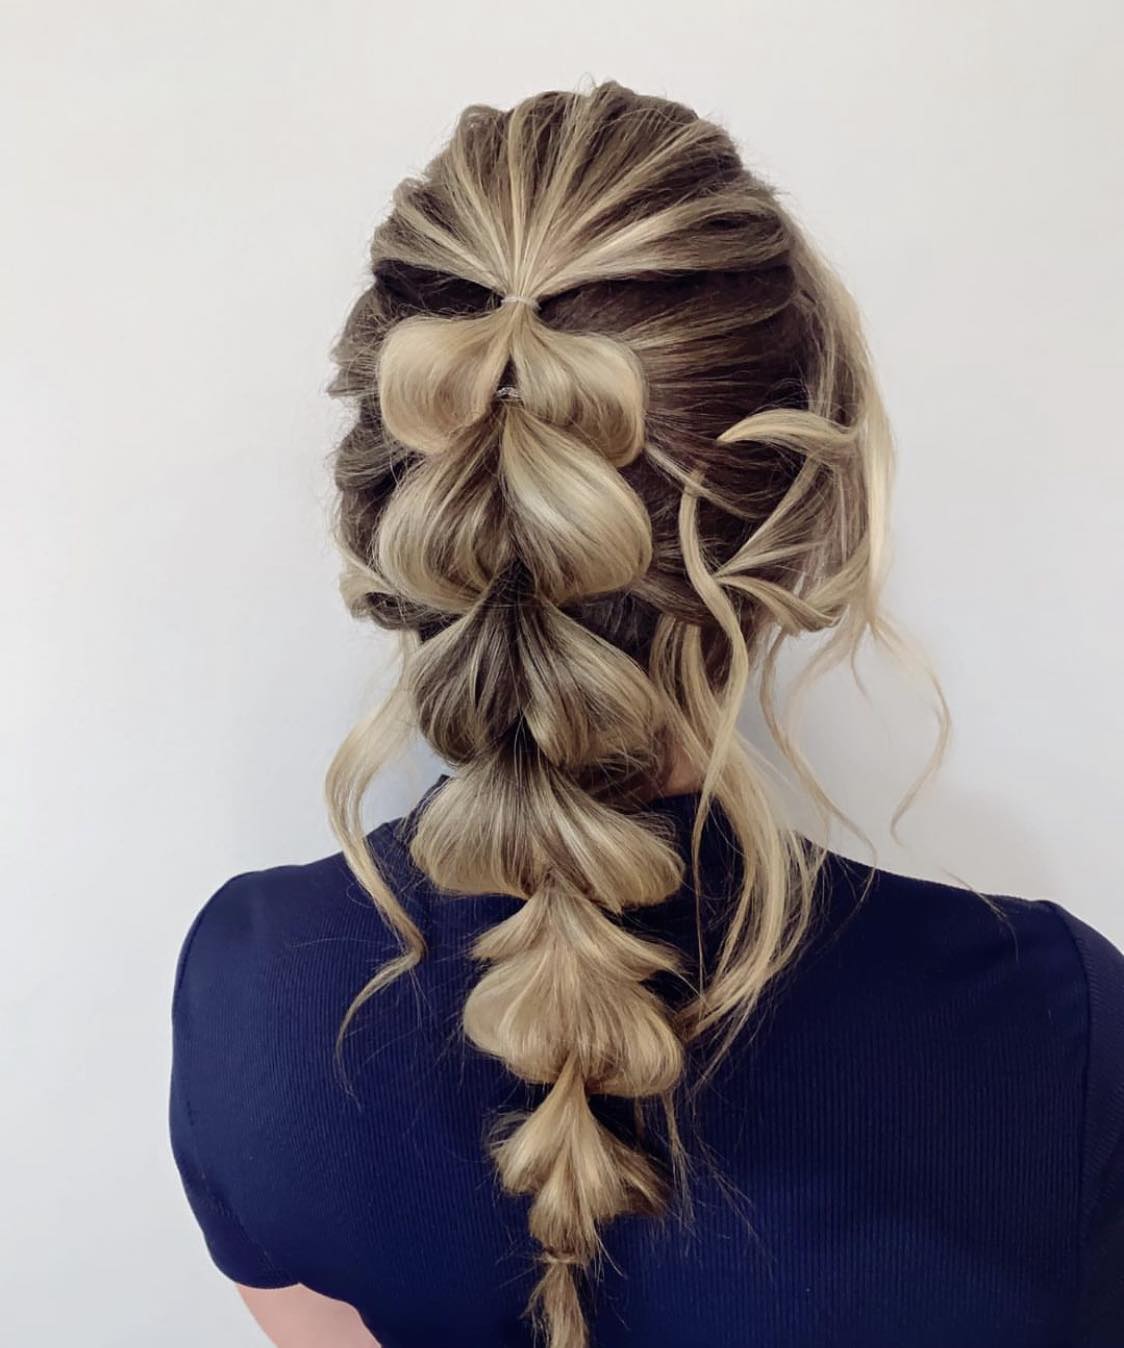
(616, 439)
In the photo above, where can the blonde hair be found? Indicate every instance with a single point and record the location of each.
(592, 515)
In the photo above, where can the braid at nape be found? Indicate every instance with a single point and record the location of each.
(514, 509)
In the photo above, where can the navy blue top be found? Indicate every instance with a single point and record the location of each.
(921, 1148)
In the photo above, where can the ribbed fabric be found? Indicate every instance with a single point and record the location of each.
(920, 1147)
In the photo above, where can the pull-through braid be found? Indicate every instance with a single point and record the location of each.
(536, 710)
(591, 514)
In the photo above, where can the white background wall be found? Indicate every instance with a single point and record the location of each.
(189, 191)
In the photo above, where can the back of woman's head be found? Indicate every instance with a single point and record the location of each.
(616, 439)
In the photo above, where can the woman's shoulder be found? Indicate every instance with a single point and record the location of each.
(940, 920)
(269, 964)
(257, 912)
(1031, 960)
(1051, 982)
(257, 915)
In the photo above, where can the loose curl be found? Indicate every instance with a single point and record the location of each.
(591, 515)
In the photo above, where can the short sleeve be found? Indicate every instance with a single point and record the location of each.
(198, 1002)
(1100, 1317)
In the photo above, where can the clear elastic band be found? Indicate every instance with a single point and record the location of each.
(520, 299)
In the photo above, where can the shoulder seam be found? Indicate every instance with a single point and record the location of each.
(1083, 1206)
(193, 932)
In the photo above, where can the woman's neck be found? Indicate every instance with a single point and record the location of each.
(682, 776)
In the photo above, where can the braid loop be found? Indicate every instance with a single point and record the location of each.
(526, 700)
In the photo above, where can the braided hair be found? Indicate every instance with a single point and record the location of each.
(589, 510)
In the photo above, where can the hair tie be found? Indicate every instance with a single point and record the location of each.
(520, 299)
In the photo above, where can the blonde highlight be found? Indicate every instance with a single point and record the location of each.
(694, 466)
